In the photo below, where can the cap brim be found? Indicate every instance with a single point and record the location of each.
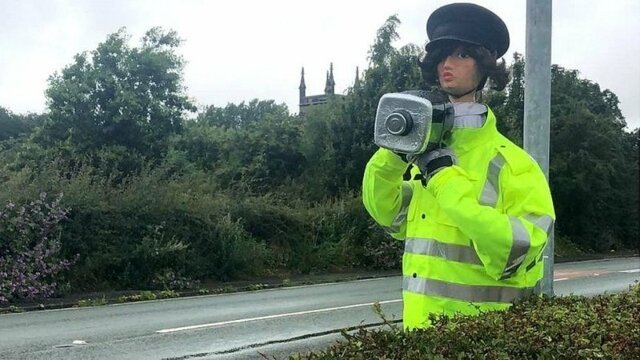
(447, 39)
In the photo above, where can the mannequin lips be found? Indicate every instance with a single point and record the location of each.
(447, 76)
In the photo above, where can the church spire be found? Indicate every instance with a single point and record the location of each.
(357, 82)
(302, 87)
(333, 83)
(329, 88)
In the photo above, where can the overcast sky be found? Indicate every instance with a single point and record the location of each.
(240, 50)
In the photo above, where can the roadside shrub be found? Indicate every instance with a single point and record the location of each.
(166, 230)
(279, 226)
(344, 235)
(193, 239)
(232, 251)
(155, 255)
(30, 263)
(304, 237)
(383, 252)
(565, 248)
(169, 281)
(347, 235)
(572, 327)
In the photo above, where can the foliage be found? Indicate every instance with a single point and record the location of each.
(167, 232)
(15, 126)
(257, 144)
(509, 107)
(382, 49)
(593, 165)
(537, 328)
(92, 302)
(242, 115)
(170, 281)
(128, 100)
(30, 262)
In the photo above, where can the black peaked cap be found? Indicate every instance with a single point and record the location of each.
(468, 23)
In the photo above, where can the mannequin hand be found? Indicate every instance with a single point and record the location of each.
(433, 161)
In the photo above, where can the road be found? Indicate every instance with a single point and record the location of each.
(243, 325)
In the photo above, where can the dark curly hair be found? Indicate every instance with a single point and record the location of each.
(488, 66)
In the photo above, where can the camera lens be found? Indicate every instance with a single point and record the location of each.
(399, 123)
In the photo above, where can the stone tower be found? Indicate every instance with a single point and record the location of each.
(312, 100)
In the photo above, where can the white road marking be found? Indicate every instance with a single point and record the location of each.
(74, 343)
(630, 271)
(192, 327)
(561, 279)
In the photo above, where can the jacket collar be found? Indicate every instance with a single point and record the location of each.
(474, 125)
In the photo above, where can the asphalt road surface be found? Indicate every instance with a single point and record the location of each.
(276, 322)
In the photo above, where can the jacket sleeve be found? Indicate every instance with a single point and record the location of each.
(385, 195)
(505, 241)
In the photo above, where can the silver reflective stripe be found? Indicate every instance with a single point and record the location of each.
(431, 247)
(489, 195)
(401, 217)
(469, 121)
(473, 293)
(469, 115)
(390, 230)
(519, 246)
(543, 222)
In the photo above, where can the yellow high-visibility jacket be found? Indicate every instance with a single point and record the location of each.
(474, 234)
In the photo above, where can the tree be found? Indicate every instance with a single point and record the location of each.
(509, 107)
(242, 115)
(593, 165)
(120, 96)
(382, 49)
(14, 126)
(255, 144)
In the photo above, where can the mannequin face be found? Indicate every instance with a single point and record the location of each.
(458, 74)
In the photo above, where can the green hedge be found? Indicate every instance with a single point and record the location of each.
(572, 327)
(160, 230)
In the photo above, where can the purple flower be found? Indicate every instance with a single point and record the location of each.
(30, 263)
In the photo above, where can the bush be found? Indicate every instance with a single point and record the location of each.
(158, 233)
(565, 248)
(305, 237)
(166, 230)
(346, 236)
(573, 327)
(30, 263)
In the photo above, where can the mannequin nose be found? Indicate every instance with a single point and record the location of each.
(447, 63)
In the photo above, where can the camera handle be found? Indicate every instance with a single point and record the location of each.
(443, 113)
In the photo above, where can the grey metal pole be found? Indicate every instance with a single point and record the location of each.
(537, 105)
